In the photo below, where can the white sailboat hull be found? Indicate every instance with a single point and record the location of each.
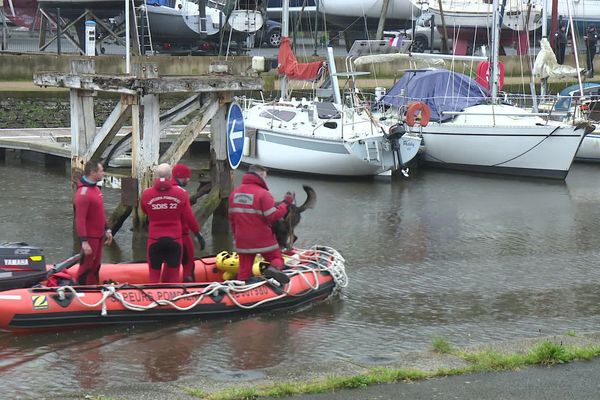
(296, 136)
(589, 149)
(314, 156)
(518, 16)
(523, 146)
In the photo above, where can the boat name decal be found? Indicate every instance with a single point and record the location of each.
(139, 297)
(18, 261)
(259, 291)
(40, 302)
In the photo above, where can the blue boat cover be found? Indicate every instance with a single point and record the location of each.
(440, 89)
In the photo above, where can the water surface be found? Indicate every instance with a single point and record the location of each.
(470, 258)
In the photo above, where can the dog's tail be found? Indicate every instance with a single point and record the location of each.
(311, 198)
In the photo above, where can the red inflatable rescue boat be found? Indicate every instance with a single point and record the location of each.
(126, 297)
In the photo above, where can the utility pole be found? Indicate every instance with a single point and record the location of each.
(384, 10)
(444, 33)
(4, 28)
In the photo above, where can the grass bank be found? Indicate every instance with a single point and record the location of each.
(545, 353)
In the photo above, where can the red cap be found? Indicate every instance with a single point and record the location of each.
(181, 171)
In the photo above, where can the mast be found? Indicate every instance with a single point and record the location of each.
(554, 23)
(570, 10)
(127, 38)
(495, 49)
(285, 31)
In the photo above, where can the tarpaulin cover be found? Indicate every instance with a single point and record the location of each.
(289, 66)
(440, 89)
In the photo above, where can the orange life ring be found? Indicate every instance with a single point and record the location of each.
(417, 109)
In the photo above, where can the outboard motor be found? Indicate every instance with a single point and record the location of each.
(405, 144)
(17, 259)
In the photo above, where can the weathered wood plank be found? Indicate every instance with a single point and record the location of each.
(208, 205)
(179, 111)
(83, 82)
(55, 149)
(190, 132)
(218, 133)
(118, 217)
(149, 134)
(109, 129)
(83, 125)
(129, 84)
(205, 83)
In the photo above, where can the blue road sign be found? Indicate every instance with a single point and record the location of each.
(235, 135)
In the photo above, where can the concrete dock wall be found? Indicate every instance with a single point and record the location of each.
(22, 67)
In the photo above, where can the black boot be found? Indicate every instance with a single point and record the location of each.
(272, 272)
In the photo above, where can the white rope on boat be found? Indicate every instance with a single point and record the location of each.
(318, 258)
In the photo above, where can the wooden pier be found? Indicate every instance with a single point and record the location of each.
(57, 141)
(209, 97)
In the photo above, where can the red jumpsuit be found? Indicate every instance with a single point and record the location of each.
(90, 225)
(166, 207)
(251, 212)
(187, 260)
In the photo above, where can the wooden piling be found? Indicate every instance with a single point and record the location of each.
(83, 125)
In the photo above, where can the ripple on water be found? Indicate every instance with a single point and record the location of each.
(465, 257)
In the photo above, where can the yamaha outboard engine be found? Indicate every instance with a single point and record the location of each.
(18, 259)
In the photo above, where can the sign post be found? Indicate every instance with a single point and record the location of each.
(235, 135)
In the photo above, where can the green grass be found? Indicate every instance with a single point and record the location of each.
(544, 353)
(441, 345)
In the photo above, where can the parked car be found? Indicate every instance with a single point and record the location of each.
(421, 36)
(270, 34)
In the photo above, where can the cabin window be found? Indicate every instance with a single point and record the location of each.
(280, 115)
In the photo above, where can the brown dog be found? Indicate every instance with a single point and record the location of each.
(284, 228)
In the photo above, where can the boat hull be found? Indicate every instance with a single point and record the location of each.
(502, 139)
(468, 14)
(523, 151)
(46, 309)
(167, 23)
(589, 150)
(316, 138)
(313, 156)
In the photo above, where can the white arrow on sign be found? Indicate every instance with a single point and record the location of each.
(233, 134)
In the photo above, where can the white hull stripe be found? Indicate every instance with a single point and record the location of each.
(10, 297)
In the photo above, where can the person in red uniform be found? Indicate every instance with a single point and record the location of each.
(91, 224)
(251, 212)
(166, 207)
(181, 176)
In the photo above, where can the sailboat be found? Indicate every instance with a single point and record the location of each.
(321, 136)
(180, 24)
(518, 15)
(486, 135)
